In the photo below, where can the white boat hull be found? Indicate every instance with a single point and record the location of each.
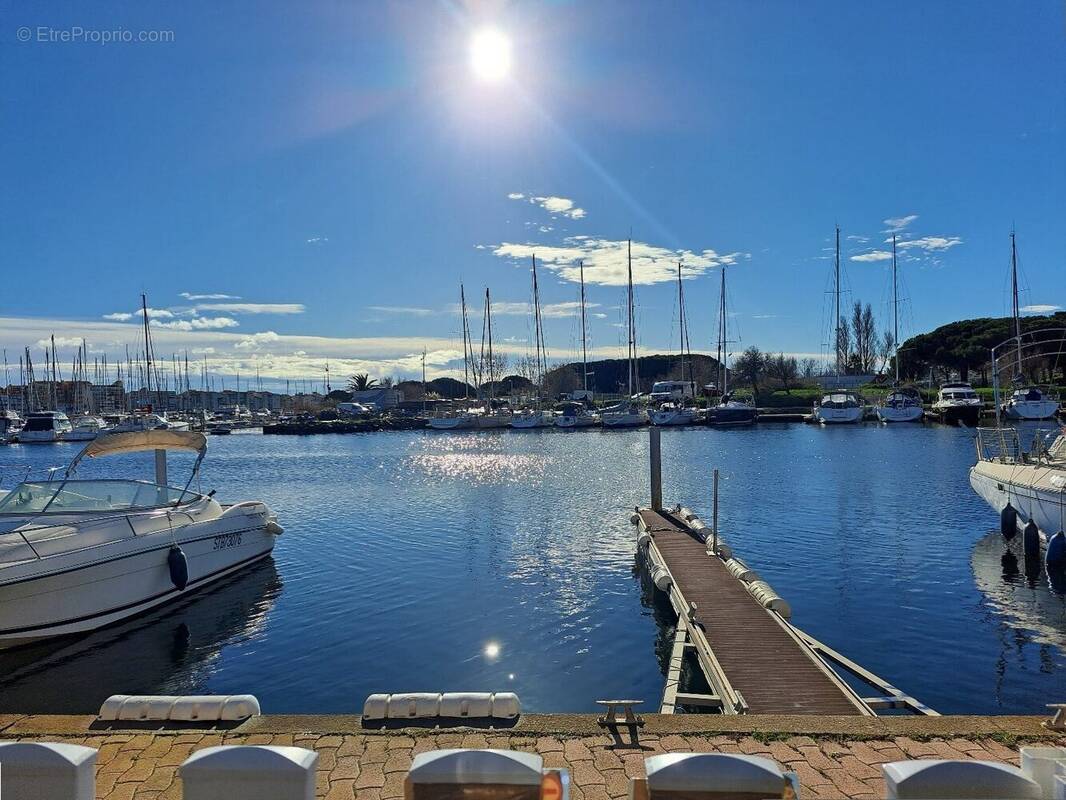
(1038, 493)
(539, 419)
(684, 416)
(837, 416)
(900, 414)
(1031, 409)
(461, 423)
(488, 421)
(90, 588)
(576, 421)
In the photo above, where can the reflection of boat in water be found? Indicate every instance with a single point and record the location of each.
(1018, 589)
(170, 650)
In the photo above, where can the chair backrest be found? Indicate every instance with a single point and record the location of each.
(482, 774)
(47, 771)
(708, 776)
(249, 773)
(934, 779)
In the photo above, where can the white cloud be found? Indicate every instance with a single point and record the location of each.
(155, 313)
(931, 243)
(254, 308)
(861, 239)
(119, 316)
(257, 340)
(198, 324)
(60, 341)
(195, 297)
(1040, 308)
(558, 206)
(605, 260)
(318, 240)
(764, 316)
(896, 224)
(874, 255)
(202, 351)
(516, 196)
(551, 310)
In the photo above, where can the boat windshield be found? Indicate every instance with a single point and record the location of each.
(33, 497)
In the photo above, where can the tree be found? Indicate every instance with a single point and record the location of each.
(884, 349)
(748, 369)
(808, 367)
(361, 382)
(864, 334)
(782, 368)
(387, 383)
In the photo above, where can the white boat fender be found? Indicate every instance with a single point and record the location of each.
(1056, 551)
(1008, 522)
(179, 567)
(274, 529)
(643, 538)
(741, 571)
(725, 552)
(661, 577)
(1031, 539)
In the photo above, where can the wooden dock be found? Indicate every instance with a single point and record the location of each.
(757, 653)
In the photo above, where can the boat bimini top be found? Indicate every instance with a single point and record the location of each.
(140, 441)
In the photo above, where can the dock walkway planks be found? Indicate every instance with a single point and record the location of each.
(773, 672)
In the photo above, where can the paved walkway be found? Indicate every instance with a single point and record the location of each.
(370, 765)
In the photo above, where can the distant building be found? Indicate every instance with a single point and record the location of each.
(380, 399)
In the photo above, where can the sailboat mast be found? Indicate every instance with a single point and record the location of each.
(681, 319)
(836, 307)
(488, 325)
(895, 306)
(1014, 298)
(538, 329)
(723, 342)
(584, 346)
(147, 347)
(466, 349)
(629, 306)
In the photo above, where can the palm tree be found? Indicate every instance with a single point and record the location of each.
(361, 382)
(386, 383)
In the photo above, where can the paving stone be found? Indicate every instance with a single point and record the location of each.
(547, 744)
(576, 750)
(341, 790)
(584, 773)
(370, 777)
(783, 754)
(915, 749)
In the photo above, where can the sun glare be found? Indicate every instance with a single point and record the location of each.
(490, 55)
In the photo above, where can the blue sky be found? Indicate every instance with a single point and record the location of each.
(340, 170)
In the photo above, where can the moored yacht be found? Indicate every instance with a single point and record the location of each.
(44, 426)
(85, 429)
(674, 413)
(575, 415)
(494, 418)
(532, 418)
(839, 407)
(1030, 403)
(901, 405)
(958, 404)
(10, 424)
(628, 414)
(455, 421)
(730, 410)
(76, 554)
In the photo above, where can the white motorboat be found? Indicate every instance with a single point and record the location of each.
(575, 415)
(532, 418)
(1033, 483)
(674, 414)
(459, 421)
(731, 412)
(45, 426)
(958, 404)
(1030, 403)
(839, 407)
(85, 429)
(149, 421)
(901, 405)
(10, 424)
(76, 555)
(626, 415)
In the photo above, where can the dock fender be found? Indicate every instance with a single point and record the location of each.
(1056, 551)
(1031, 539)
(1008, 521)
(179, 567)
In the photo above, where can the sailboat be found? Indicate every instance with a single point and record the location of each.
(676, 412)
(1025, 402)
(628, 413)
(86, 425)
(462, 419)
(575, 414)
(535, 416)
(491, 417)
(730, 410)
(839, 406)
(903, 404)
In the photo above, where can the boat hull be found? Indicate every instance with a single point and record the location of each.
(1037, 493)
(94, 587)
(900, 414)
(489, 421)
(674, 417)
(1031, 409)
(724, 416)
(838, 416)
(582, 421)
(530, 421)
(452, 423)
(970, 416)
(624, 420)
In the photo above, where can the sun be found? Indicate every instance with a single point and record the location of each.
(490, 55)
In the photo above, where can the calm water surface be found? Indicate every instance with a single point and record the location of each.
(505, 560)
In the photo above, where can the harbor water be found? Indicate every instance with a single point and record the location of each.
(500, 560)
